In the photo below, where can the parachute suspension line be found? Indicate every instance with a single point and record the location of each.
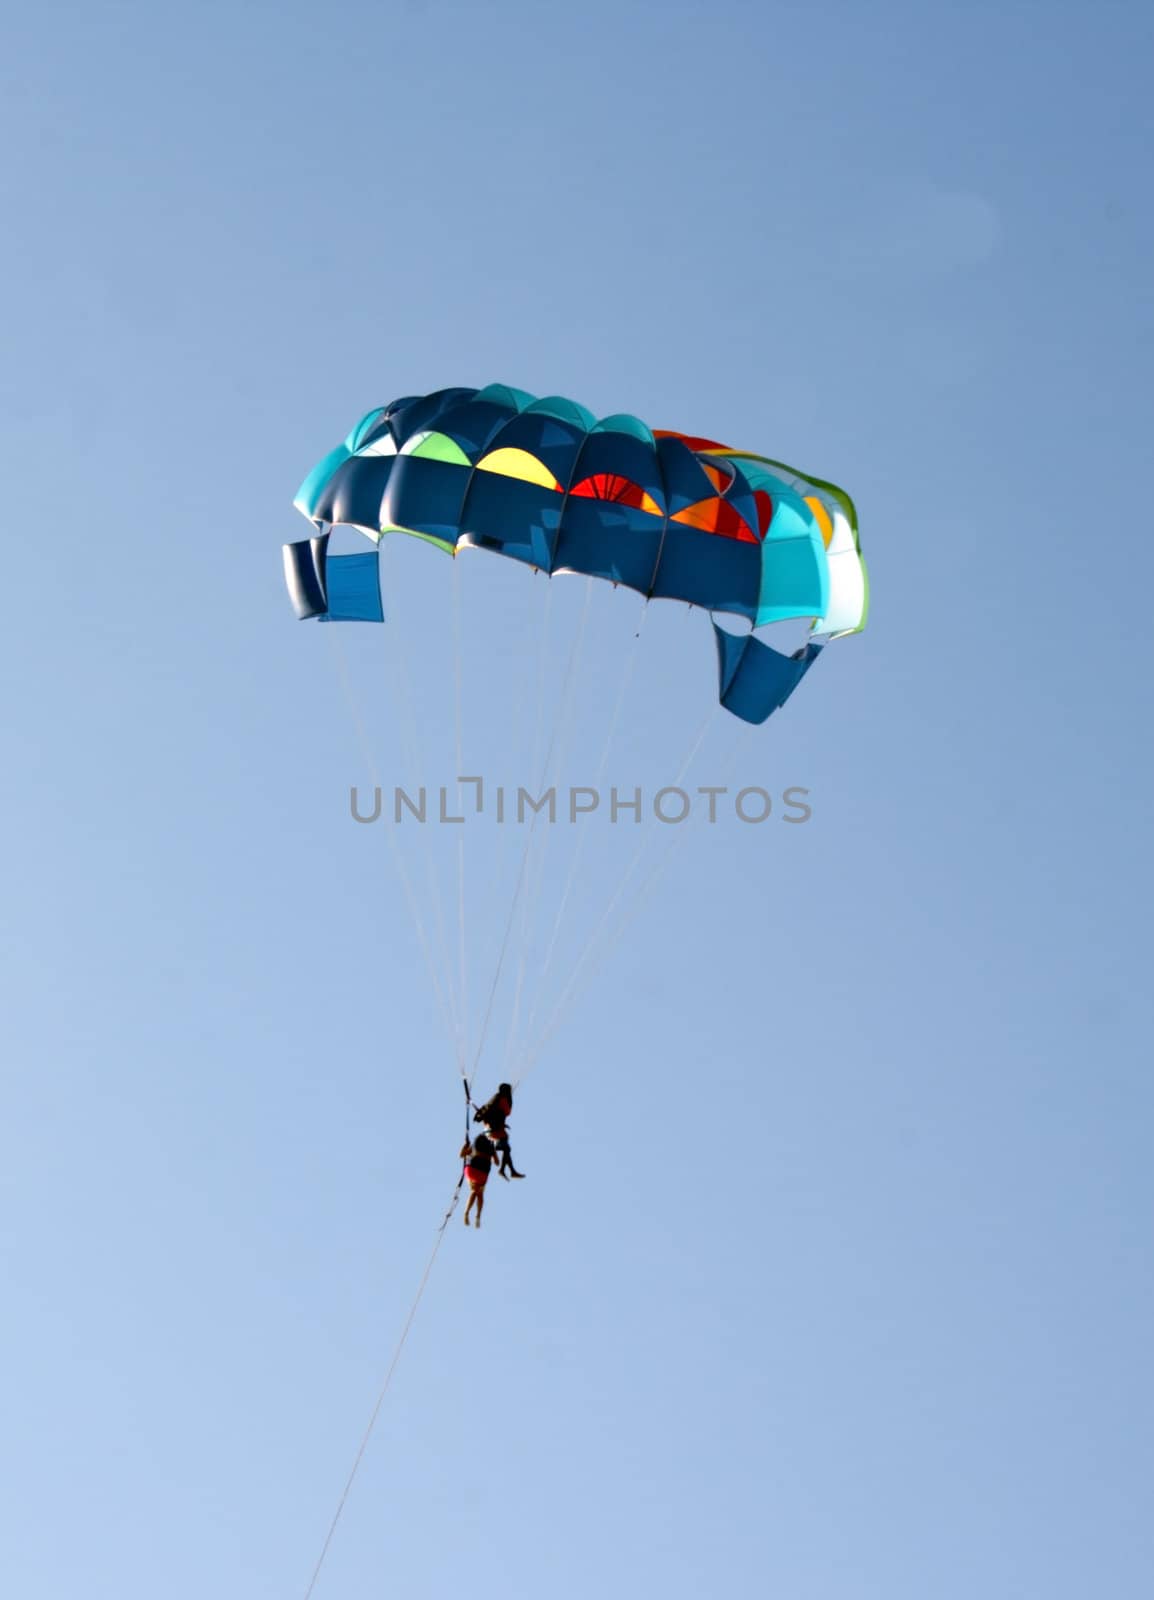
(400, 685)
(540, 762)
(565, 692)
(575, 863)
(501, 953)
(384, 1389)
(605, 935)
(646, 889)
(528, 744)
(526, 879)
(444, 1002)
(515, 1009)
(463, 979)
(535, 878)
(546, 634)
(534, 765)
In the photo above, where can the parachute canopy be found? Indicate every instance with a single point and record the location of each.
(544, 482)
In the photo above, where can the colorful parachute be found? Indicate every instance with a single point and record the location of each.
(543, 482)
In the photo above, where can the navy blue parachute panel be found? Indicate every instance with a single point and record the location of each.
(684, 479)
(609, 540)
(413, 415)
(708, 570)
(473, 424)
(554, 443)
(426, 496)
(357, 493)
(613, 522)
(304, 576)
(754, 679)
(518, 518)
(606, 456)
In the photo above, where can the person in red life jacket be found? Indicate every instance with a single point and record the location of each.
(495, 1114)
(478, 1158)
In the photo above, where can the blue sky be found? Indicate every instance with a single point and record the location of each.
(831, 1276)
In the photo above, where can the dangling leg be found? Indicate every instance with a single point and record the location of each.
(507, 1169)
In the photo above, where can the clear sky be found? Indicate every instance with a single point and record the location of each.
(831, 1275)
